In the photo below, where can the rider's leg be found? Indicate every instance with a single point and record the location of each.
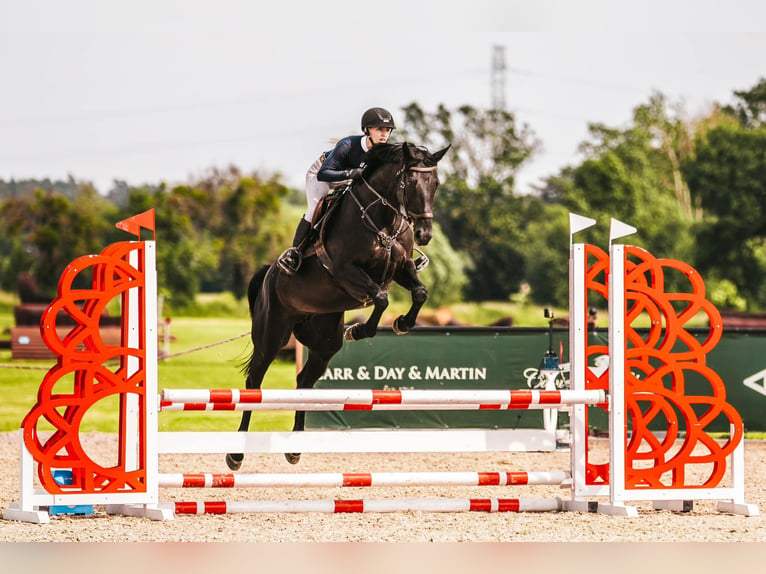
(291, 259)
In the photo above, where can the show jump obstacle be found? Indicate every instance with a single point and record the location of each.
(656, 378)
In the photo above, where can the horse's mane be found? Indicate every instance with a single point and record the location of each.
(382, 154)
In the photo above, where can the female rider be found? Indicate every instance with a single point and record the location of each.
(343, 163)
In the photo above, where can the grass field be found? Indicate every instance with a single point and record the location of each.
(214, 367)
(210, 366)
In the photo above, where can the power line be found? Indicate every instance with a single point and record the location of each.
(242, 101)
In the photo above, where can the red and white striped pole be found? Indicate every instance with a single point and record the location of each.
(358, 398)
(338, 479)
(375, 505)
(168, 407)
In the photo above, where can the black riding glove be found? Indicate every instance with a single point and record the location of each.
(355, 173)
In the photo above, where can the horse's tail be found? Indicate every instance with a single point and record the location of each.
(252, 294)
(255, 286)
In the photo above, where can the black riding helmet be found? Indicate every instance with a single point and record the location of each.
(377, 118)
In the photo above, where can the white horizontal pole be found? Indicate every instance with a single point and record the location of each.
(336, 441)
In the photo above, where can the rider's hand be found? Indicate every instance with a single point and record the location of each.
(355, 173)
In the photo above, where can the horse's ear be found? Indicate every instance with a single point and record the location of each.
(436, 156)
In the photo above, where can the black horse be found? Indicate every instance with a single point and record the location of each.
(363, 244)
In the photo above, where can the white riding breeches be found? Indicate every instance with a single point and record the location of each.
(315, 189)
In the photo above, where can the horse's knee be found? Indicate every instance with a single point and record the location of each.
(380, 300)
(419, 295)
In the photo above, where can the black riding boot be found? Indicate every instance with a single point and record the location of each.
(291, 259)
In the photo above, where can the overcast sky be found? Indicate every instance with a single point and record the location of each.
(157, 90)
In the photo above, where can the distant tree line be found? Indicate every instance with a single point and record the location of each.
(695, 188)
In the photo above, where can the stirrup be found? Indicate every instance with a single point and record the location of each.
(290, 261)
(421, 262)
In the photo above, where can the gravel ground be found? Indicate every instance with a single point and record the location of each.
(703, 524)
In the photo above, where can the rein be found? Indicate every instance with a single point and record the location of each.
(401, 215)
(368, 221)
(404, 211)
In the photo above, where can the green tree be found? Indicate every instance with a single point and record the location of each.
(445, 276)
(476, 205)
(728, 176)
(546, 255)
(45, 233)
(252, 231)
(750, 107)
(213, 232)
(634, 175)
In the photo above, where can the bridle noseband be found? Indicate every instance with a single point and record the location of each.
(412, 217)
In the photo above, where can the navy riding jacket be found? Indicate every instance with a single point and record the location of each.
(347, 154)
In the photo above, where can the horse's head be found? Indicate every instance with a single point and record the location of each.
(418, 187)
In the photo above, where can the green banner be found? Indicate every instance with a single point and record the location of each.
(435, 358)
(509, 358)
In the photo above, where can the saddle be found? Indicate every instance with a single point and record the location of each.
(323, 214)
(316, 239)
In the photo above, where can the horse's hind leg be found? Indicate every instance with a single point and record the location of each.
(407, 277)
(314, 368)
(234, 460)
(257, 370)
(323, 335)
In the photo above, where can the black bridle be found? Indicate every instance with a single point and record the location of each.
(404, 209)
(412, 217)
(403, 215)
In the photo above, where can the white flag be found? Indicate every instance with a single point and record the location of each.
(619, 229)
(579, 222)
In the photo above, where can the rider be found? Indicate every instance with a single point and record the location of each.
(343, 163)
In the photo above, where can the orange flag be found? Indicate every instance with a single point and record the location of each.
(134, 224)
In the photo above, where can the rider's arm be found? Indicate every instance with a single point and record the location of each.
(339, 162)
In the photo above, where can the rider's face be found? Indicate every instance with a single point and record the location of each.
(379, 135)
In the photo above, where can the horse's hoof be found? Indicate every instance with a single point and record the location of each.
(348, 334)
(399, 326)
(234, 461)
(293, 458)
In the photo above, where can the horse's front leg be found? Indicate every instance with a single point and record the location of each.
(368, 329)
(355, 280)
(407, 277)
